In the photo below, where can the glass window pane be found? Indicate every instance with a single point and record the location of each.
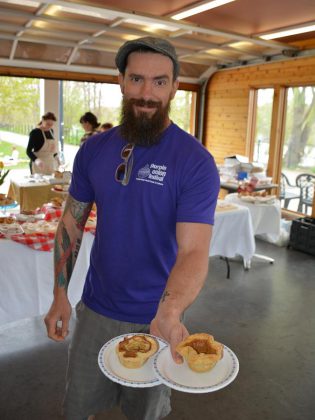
(263, 125)
(299, 148)
(104, 100)
(182, 109)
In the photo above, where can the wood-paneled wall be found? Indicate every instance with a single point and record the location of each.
(227, 100)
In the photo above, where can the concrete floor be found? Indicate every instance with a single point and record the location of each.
(265, 315)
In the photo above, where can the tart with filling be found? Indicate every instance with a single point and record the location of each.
(135, 350)
(57, 201)
(7, 220)
(200, 351)
(58, 174)
(5, 200)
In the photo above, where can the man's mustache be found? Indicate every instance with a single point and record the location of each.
(144, 103)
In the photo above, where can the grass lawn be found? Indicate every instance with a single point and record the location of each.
(6, 150)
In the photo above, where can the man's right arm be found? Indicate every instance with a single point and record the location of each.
(67, 245)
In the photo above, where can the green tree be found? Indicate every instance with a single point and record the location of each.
(80, 97)
(19, 101)
(181, 108)
(264, 122)
(299, 125)
(20, 105)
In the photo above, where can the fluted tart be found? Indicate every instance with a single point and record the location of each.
(200, 351)
(135, 350)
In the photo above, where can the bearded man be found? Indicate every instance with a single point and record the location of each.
(155, 188)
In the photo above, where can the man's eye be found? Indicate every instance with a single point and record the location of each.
(161, 82)
(136, 79)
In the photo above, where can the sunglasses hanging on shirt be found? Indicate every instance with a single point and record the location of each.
(124, 169)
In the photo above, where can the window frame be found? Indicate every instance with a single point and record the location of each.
(277, 131)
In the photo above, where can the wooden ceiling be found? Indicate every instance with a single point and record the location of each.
(83, 36)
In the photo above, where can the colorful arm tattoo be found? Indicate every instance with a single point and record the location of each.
(79, 211)
(67, 250)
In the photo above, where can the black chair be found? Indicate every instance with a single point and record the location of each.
(288, 191)
(306, 184)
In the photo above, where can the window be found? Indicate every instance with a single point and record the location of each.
(282, 137)
(104, 100)
(298, 153)
(263, 125)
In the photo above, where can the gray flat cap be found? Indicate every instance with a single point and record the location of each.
(155, 44)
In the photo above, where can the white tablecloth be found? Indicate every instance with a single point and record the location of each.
(26, 276)
(233, 234)
(266, 218)
(26, 279)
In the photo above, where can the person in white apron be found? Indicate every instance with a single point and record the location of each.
(42, 147)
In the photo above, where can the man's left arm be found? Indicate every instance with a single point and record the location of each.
(184, 283)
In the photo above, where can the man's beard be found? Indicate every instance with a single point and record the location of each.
(142, 129)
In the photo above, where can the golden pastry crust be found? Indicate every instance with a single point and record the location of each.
(7, 220)
(5, 200)
(58, 174)
(135, 350)
(200, 351)
(57, 201)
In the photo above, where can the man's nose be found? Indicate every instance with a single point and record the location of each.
(146, 90)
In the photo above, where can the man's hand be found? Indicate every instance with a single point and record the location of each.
(57, 319)
(173, 331)
(184, 283)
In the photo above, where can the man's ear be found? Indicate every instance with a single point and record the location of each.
(121, 82)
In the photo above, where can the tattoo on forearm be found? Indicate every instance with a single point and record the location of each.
(64, 258)
(165, 295)
(61, 280)
(67, 249)
(79, 211)
(77, 248)
(66, 252)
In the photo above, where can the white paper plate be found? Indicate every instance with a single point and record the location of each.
(29, 217)
(247, 198)
(110, 365)
(59, 191)
(182, 378)
(11, 229)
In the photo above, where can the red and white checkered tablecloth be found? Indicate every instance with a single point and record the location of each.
(37, 241)
(44, 241)
(52, 213)
(41, 241)
(90, 229)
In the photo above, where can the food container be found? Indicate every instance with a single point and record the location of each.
(302, 235)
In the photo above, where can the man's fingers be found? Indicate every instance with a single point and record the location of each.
(54, 329)
(176, 357)
(57, 320)
(177, 336)
(64, 328)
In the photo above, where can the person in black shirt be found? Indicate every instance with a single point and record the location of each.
(42, 147)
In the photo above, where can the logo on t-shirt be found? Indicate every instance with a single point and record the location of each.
(152, 173)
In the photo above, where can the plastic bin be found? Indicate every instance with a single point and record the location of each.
(302, 235)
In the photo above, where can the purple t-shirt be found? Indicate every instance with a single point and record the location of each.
(135, 242)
